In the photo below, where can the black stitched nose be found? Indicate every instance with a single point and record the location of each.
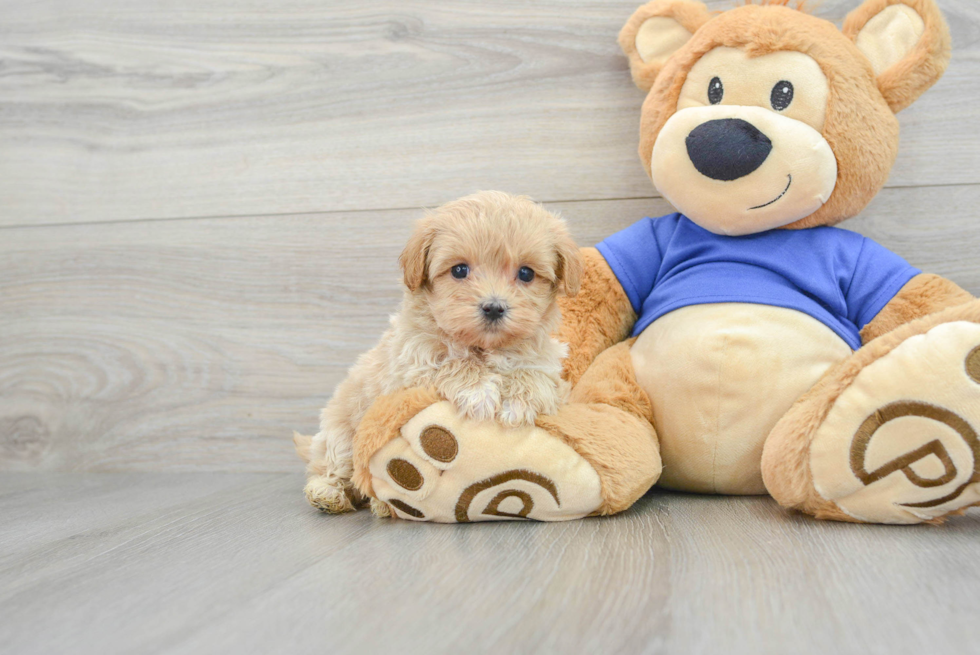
(493, 311)
(727, 149)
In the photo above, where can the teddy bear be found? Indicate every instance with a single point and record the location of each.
(743, 345)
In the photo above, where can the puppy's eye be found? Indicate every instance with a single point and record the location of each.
(460, 271)
(716, 91)
(525, 274)
(782, 95)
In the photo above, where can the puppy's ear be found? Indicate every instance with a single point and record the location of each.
(414, 259)
(907, 43)
(569, 271)
(656, 31)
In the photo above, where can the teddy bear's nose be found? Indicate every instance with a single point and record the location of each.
(727, 149)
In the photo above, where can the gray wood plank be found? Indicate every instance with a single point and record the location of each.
(88, 503)
(120, 111)
(238, 563)
(756, 579)
(200, 344)
(139, 576)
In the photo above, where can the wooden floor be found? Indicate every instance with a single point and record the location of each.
(201, 207)
(237, 563)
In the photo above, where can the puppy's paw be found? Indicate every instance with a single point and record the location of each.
(331, 494)
(480, 402)
(515, 413)
(380, 509)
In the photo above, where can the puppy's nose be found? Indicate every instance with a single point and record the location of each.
(727, 149)
(493, 311)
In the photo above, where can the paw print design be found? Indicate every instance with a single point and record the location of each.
(915, 454)
(447, 469)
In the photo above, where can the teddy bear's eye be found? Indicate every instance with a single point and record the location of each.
(716, 91)
(782, 95)
(460, 271)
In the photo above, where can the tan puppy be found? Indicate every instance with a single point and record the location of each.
(482, 276)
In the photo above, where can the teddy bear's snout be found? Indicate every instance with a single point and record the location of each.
(727, 149)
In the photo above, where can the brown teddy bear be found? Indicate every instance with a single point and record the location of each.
(742, 345)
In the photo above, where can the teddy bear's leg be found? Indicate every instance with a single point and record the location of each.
(597, 455)
(891, 434)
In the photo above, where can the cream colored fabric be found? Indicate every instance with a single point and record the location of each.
(926, 379)
(660, 37)
(720, 377)
(795, 180)
(887, 38)
(748, 81)
(538, 466)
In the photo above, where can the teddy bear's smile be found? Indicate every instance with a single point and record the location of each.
(777, 198)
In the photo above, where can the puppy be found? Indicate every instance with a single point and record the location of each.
(482, 276)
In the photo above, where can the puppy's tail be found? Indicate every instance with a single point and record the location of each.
(303, 444)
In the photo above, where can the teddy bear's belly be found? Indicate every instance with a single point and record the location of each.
(720, 376)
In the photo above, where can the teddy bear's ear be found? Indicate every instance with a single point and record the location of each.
(655, 32)
(907, 43)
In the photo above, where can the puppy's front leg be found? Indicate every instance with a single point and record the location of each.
(527, 393)
(474, 392)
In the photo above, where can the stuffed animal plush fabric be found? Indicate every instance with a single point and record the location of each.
(742, 345)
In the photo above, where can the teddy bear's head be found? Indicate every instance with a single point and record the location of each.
(764, 117)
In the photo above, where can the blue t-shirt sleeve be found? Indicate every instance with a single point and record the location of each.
(879, 274)
(635, 255)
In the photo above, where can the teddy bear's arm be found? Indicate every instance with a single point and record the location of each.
(923, 295)
(597, 317)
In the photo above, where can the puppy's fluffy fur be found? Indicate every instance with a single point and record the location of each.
(508, 369)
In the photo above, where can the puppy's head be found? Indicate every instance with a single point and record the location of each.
(490, 266)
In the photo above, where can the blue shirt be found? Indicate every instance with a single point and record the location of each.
(838, 277)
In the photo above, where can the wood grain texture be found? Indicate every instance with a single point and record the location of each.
(200, 344)
(220, 563)
(114, 111)
(137, 336)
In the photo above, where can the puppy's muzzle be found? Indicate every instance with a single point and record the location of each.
(493, 311)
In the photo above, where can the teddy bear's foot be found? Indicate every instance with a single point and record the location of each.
(596, 455)
(446, 469)
(891, 435)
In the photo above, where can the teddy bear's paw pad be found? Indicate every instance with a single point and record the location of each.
(446, 469)
(900, 445)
